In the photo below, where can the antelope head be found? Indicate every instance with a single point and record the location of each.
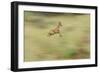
(60, 24)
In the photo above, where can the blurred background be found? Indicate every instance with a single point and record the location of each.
(74, 43)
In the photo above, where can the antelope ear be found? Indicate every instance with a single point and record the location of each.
(60, 23)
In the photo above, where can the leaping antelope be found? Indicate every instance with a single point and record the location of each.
(56, 30)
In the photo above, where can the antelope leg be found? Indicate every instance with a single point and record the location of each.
(60, 35)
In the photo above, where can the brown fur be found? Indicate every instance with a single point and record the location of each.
(56, 30)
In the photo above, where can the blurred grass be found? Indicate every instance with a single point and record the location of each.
(74, 43)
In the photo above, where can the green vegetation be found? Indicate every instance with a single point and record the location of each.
(74, 43)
